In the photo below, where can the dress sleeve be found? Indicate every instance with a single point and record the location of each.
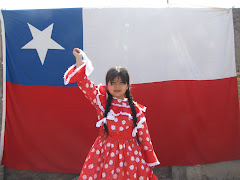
(145, 140)
(93, 93)
(96, 95)
(74, 74)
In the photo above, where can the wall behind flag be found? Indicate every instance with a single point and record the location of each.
(236, 22)
(126, 25)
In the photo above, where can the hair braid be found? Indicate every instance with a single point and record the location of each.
(122, 73)
(108, 105)
(134, 113)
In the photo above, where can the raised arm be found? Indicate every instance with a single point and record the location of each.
(79, 73)
(78, 56)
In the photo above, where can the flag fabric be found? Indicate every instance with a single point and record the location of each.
(182, 68)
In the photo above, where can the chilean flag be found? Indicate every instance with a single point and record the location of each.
(182, 68)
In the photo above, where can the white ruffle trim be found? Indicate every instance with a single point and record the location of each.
(110, 116)
(66, 81)
(115, 114)
(153, 164)
(98, 99)
(121, 105)
(143, 109)
(139, 125)
(127, 114)
(89, 68)
(121, 100)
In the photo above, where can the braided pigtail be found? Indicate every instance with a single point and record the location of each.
(134, 113)
(122, 73)
(108, 105)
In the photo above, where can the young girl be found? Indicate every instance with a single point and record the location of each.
(123, 150)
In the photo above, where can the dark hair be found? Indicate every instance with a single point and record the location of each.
(121, 72)
(117, 71)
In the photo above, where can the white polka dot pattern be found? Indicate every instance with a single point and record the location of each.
(119, 158)
(116, 165)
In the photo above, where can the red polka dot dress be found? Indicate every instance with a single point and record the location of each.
(119, 156)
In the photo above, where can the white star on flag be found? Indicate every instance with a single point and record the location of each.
(42, 41)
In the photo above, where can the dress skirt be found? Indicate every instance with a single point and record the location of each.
(111, 158)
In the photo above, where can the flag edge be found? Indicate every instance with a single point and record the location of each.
(4, 86)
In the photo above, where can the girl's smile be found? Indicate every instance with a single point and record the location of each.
(117, 88)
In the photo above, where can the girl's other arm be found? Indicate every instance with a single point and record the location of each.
(146, 143)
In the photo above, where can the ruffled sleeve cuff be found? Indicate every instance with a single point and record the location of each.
(74, 74)
(151, 158)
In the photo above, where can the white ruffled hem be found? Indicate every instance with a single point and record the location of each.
(153, 164)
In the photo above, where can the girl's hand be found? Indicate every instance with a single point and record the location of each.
(78, 56)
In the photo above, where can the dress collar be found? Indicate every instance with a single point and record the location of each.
(121, 100)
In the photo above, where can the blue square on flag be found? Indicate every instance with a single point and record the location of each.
(39, 44)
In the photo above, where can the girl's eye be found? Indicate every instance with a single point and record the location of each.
(122, 82)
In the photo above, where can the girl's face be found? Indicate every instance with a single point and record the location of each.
(117, 87)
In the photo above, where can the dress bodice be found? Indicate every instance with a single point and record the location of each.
(119, 119)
